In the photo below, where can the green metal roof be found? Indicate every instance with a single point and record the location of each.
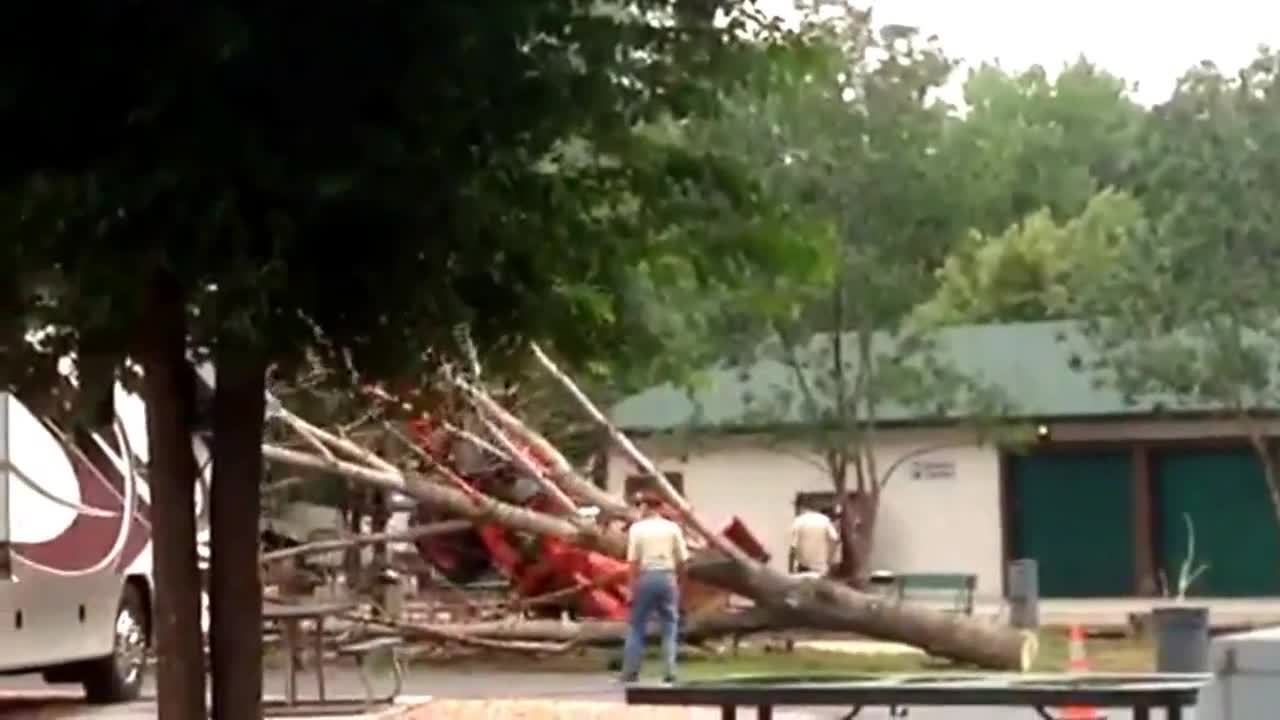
(1030, 364)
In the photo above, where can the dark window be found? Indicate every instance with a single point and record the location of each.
(636, 483)
(824, 502)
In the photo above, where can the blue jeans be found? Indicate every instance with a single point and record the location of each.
(654, 592)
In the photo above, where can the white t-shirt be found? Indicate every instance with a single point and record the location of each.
(813, 538)
(656, 543)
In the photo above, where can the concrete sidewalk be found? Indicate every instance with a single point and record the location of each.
(1117, 613)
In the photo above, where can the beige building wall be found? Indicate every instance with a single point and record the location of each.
(946, 519)
(946, 522)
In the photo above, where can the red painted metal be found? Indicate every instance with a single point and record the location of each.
(549, 564)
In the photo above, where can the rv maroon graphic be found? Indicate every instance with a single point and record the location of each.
(91, 537)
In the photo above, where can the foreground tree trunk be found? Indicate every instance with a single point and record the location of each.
(862, 509)
(235, 592)
(791, 601)
(168, 388)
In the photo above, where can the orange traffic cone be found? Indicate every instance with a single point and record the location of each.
(1078, 663)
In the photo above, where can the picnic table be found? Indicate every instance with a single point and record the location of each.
(292, 616)
(955, 589)
(1139, 693)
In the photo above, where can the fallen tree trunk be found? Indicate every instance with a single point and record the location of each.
(594, 632)
(790, 601)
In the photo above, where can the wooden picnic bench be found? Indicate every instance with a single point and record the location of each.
(955, 589)
(291, 617)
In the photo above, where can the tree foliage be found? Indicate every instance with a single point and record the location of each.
(1029, 143)
(1035, 270)
(1188, 314)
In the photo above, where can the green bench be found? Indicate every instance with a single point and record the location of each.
(954, 589)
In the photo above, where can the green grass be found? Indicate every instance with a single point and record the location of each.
(1104, 654)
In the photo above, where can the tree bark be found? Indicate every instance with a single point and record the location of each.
(848, 529)
(168, 388)
(867, 510)
(791, 601)
(633, 453)
(560, 469)
(235, 593)
(597, 632)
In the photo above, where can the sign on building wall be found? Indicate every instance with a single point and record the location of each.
(933, 470)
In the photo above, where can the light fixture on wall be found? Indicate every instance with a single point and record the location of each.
(1042, 432)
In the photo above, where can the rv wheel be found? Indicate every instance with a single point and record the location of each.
(118, 677)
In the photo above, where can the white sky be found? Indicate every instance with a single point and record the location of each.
(1144, 41)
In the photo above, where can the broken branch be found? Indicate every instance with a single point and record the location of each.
(643, 462)
(323, 546)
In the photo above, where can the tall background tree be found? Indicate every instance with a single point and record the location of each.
(846, 132)
(1187, 319)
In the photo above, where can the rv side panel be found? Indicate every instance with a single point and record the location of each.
(6, 568)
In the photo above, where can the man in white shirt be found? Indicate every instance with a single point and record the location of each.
(813, 542)
(657, 553)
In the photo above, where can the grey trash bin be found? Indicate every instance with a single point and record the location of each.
(1182, 638)
(1024, 594)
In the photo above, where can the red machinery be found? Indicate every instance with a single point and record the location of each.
(547, 564)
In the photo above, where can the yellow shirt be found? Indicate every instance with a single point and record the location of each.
(656, 543)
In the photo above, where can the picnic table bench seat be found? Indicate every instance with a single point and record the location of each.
(288, 617)
(360, 651)
(955, 589)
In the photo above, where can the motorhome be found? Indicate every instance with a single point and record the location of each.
(75, 542)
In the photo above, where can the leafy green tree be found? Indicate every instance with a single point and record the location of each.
(1187, 318)
(1028, 143)
(1035, 270)
(844, 132)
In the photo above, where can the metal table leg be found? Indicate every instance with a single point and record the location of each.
(1142, 712)
(728, 712)
(319, 643)
(764, 712)
(1173, 712)
(291, 665)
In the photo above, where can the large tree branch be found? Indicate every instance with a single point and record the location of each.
(473, 506)
(797, 369)
(323, 546)
(520, 460)
(562, 471)
(713, 538)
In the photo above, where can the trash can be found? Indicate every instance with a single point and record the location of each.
(1182, 638)
(1024, 594)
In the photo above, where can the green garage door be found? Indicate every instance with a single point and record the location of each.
(1073, 513)
(1225, 494)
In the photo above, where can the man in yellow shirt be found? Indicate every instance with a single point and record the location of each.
(657, 553)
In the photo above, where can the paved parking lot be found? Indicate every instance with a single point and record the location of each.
(581, 696)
